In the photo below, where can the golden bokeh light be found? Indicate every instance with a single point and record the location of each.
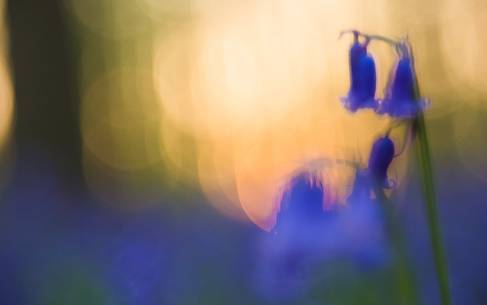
(119, 122)
(6, 103)
(463, 24)
(259, 89)
(6, 90)
(236, 96)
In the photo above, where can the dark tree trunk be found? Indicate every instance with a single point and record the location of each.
(45, 85)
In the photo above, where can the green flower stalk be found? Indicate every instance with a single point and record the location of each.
(405, 101)
(431, 205)
(427, 182)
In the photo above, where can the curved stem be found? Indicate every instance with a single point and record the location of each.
(370, 37)
(408, 140)
(381, 38)
(354, 32)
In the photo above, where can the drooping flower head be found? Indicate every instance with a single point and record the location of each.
(362, 77)
(307, 239)
(380, 158)
(302, 200)
(402, 96)
(361, 189)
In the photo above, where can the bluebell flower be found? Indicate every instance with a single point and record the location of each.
(362, 187)
(362, 77)
(301, 201)
(401, 98)
(380, 158)
(307, 238)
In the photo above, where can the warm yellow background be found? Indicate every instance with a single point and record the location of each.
(234, 96)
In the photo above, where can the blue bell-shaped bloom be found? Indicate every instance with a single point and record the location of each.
(308, 238)
(357, 51)
(302, 200)
(401, 98)
(379, 160)
(361, 188)
(362, 78)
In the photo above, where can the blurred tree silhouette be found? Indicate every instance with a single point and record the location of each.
(45, 86)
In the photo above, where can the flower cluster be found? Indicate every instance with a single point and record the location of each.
(305, 234)
(401, 98)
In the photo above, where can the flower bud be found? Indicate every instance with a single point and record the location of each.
(379, 160)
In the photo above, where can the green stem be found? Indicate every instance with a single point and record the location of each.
(432, 209)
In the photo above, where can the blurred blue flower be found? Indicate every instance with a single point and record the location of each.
(401, 98)
(301, 202)
(362, 77)
(361, 189)
(307, 238)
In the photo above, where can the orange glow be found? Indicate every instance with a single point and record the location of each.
(235, 96)
(6, 103)
(6, 93)
(259, 89)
